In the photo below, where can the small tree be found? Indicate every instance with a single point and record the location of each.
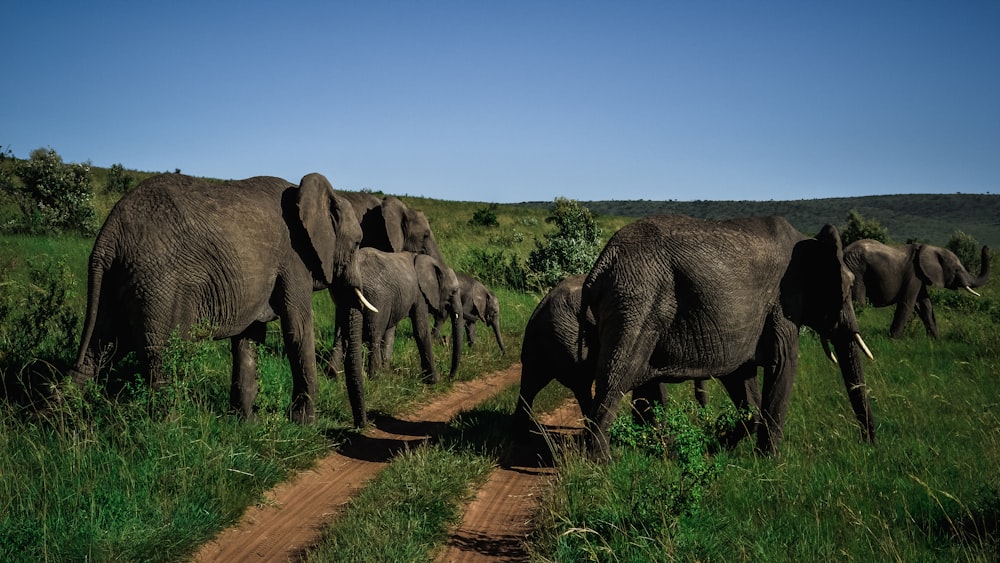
(966, 247)
(485, 216)
(119, 180)
(860, 228)
(571, 250)
(55, 196)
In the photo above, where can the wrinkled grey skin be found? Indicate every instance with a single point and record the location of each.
(389, 225)
(900, 275)
(553, 349)
(478, 304)
(401, 285)
(676, 298)
(177, 251)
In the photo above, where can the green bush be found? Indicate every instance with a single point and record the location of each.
(860, 228)
(571, 250)
(54, 197)
(495, 269)
(966, 247)
(119, 180)
(485, 216)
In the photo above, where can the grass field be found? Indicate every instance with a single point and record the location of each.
(150, 476)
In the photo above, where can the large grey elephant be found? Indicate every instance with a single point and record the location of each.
(553, 349)
(478, 304)
(389, 225)
(401, 285)
(177, 250)
(900, 275)
(676, 298)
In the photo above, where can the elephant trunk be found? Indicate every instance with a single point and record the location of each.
(495, 325)
(984, 269)
(849, 352)
(457, 330)
(353, 375)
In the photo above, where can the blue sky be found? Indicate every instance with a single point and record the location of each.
(519, 101)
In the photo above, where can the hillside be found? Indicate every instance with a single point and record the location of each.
(926, 217)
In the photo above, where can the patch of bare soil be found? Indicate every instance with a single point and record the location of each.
(295, 512)
(497, 521)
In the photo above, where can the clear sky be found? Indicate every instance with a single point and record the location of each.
(512, 101)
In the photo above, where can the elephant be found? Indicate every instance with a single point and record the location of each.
(676, 298)
(478, 304)
(406, 284)
(900, 275)
(389, 225)
(178, 251)
(553, 349)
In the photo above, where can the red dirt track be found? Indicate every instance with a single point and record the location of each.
(295, 512)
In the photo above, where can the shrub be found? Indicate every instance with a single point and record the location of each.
(860, 228)
(495, 269)
(485, 216)
(966, 247)
(54, 197)
(571, 250)
(119, 180)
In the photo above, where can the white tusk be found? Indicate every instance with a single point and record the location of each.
(365, 301)
(832, 356)
(829, 352)
(864, 347)
(972, 291)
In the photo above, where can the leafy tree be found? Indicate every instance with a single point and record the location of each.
(119, 180)
(571, 250)
(485, 216)
(966, 247)
(54, 196)
(860, 228)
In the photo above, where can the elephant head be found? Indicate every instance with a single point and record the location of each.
(440, 288)
(940, 267)
(392, 226)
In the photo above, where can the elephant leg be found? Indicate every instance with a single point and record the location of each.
(436, 332)
(422, 333)
(700, 392)
(388, 344)
(603, 412)
(778, 380)
(300, 346)
(644, 401)
(470, 331)
(903, 314)
(744, 390)
(336, 363)
(926, 313)
(245, 385)
(532, 381)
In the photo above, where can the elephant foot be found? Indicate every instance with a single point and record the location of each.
(431, 378)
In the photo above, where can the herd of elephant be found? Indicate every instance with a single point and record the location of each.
(670, 298)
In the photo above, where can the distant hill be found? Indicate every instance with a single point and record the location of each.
(929, 218)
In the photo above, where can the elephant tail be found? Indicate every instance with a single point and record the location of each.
(85, 366)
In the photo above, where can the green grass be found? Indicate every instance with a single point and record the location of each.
(152, 476)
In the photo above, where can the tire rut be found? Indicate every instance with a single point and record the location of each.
(496, 523)
(294, 514)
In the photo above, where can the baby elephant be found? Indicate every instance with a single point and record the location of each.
(478, 304)
(552, 349)
(405, 284)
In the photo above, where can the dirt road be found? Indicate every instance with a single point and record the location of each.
(295, 512)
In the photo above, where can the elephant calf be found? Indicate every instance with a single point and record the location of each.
(405, 284)
(900, 276)
(478, 304)
(553, 349)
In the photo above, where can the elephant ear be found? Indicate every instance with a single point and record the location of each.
(314, 204)
(819, 283)
(479, 300)
(429, 274)
(928, 264)
(394, 216)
